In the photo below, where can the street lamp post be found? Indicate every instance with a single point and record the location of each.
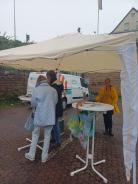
(14, 22)
(99, 8)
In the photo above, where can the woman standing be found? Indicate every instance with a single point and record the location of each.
(108, 95)
(44, 100)
(56, 84)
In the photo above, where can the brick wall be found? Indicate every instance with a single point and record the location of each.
(12, 84)
(98, 80)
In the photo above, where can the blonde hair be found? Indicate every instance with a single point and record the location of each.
(41, 78)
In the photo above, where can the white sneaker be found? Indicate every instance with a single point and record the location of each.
(44, 160)
(28, 157)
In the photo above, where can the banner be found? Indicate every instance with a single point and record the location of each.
(100, 5)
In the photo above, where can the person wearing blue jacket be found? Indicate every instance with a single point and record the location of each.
(44, 100)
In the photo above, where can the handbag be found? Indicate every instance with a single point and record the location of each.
(29, 125)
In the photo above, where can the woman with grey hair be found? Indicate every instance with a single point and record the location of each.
(44, 100)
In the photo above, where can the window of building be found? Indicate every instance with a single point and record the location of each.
(126, 26)
(137, 25)
(132, 14)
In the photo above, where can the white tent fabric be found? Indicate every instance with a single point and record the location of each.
(74, 49)
(62, 46)
(81, 53)
(129, 92)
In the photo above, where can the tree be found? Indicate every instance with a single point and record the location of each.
(6, 42)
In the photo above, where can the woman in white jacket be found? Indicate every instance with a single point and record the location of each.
(44, 100)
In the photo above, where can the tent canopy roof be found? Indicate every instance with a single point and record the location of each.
(66, 51)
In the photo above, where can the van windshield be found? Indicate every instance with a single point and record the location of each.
(84, 83)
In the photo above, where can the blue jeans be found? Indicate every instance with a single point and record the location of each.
(56, 132)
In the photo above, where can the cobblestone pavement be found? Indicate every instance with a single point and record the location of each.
(15, 169)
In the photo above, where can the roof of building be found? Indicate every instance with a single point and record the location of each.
(124, 19)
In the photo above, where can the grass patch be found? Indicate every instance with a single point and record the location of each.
(9, 103)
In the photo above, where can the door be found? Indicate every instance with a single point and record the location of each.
(77, 90)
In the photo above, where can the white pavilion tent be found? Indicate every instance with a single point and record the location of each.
(87, 53)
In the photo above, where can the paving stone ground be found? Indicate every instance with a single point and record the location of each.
(15, 169)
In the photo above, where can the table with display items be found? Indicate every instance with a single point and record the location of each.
(25, 98)
(91, 107)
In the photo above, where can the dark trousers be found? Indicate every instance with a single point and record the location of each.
(56, 132)
(108, 120)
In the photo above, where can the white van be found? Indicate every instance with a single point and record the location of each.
(74, 86)
(33, 76)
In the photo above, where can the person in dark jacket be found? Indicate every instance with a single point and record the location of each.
(56, 84)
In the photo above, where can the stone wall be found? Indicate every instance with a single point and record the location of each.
(98, 80)
(12, 84)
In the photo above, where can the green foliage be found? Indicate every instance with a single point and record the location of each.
(11, 96)
(7, 43)
(9, 103)
(10, 100)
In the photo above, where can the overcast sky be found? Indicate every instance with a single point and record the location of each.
(44, 19)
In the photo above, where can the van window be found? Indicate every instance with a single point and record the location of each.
(84, 83)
